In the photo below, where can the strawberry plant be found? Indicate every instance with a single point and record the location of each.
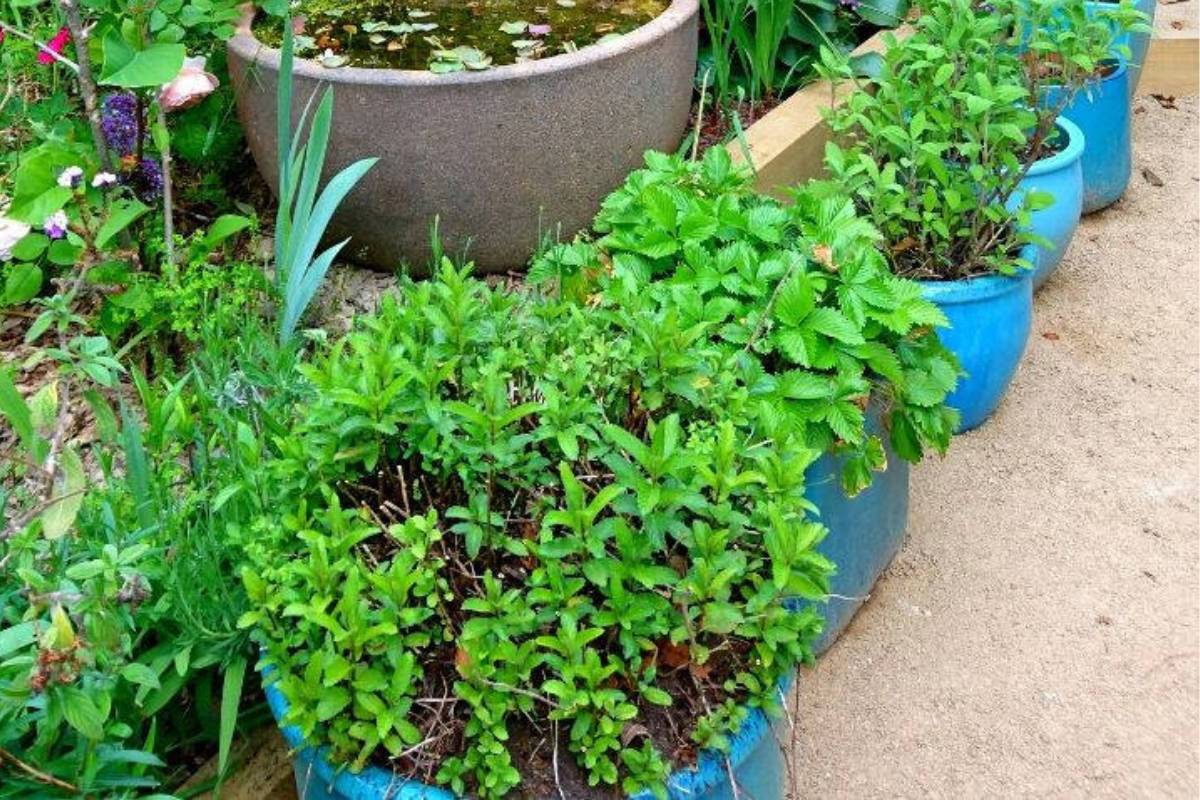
(796, 296)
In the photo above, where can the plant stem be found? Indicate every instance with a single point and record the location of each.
(168, 190)
(87, 84)
(35, 773)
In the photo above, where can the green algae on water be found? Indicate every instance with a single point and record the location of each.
(452, 35)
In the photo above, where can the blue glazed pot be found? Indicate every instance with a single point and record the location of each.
(1138, 43)
(865, 532)
(1062, 176)
(758, 765)
(1103, 113)
(990, 318)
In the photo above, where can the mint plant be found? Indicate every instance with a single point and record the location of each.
(1069, 45)
(933, 152)
(797, 297)
(507, 511)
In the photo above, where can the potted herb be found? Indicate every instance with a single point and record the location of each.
(810, 318)
(1136, 39)
(505, 519)
(1078, 66)
(932, 155)
(504, 122)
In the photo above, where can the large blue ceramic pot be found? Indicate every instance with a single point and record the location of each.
(1139, 43)
(1060, 175)
(990, 318)
(1102, 111)
(757, 761)
(865, 532)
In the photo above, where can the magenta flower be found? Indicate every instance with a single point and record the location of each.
(55, 45)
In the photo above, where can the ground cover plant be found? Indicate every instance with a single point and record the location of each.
(137, 384)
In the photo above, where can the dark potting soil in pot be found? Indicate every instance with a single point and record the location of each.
(441, 719)
(451, 35)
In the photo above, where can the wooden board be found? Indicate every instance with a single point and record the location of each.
(787, 146)
(1172, 67)
(263, 770)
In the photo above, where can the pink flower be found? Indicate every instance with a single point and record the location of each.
(1, 34)
(189, 87)
(55, 45)
(539, 30)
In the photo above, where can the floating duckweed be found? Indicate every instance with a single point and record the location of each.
(452, 36)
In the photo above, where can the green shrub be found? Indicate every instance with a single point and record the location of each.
(529, 507)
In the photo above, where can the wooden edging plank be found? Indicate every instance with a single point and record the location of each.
(787, 146)
(1172, 67)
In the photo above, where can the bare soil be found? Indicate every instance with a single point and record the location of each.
(1038, 635)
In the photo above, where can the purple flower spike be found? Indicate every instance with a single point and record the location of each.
(119, 123)
(146, 180)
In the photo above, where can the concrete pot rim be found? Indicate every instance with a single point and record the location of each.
(249, 48)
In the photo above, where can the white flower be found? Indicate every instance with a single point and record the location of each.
(103, 179)
(11, 232)
(69, 178)
(189, 87)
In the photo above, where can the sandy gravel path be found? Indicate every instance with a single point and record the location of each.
(1038, 635)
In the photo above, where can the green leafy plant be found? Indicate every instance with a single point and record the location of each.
(509, 513)
(760, 49)
(798, 296)
(1069, 44)
(934, 151)
(120, 658)
(303, 215)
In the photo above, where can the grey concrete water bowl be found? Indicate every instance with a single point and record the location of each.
(500, 157)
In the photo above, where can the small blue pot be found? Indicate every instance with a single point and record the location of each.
(990, 318)
(757, 760)
(1138, 43)
(865, 533)
(1102, 111)
(1062, 176)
